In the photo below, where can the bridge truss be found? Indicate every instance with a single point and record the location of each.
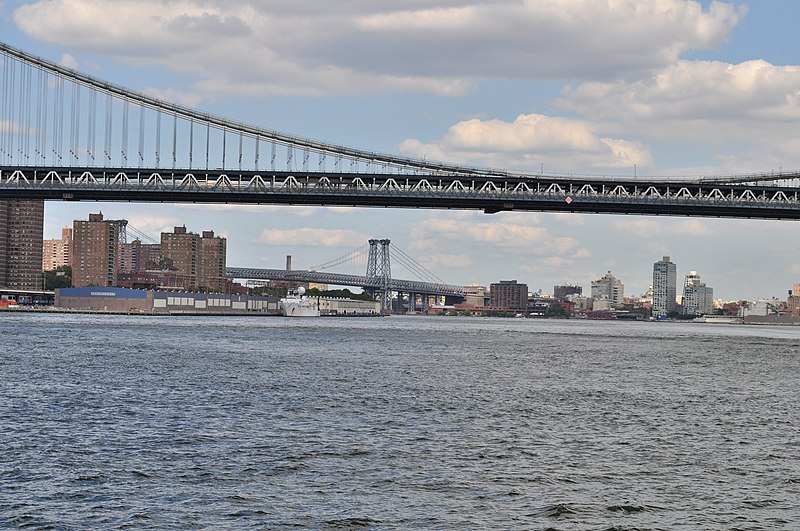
(775, 199)
(68, 136)
(378, 278)
(369, 283)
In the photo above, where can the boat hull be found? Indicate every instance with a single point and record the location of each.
(294, 308)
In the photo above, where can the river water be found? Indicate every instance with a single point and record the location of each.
(396, 423)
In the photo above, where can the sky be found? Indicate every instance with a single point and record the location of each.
(600, 87)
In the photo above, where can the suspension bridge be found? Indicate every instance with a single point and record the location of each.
(368, 267)
(377, 279)
(68, 136)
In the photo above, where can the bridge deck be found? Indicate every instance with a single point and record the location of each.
(755, 199)
(406, 286)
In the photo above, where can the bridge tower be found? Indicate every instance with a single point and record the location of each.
(379, 266)
(122, 224)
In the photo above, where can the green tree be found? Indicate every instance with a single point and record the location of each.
(556, 310)
(61, 277)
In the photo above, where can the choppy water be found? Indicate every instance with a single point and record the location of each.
(396, 423)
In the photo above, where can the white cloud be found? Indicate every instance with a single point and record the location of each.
(181, 97)
(312, 237)
(246, 48)
(425, 235)
(494, 237)
(530, 143)
(69, 61)
(565, 218)
(656, 249)
(709, 100)
(152, 226)
(649, 227)
(6, 126)
(283, 210)
(555, 262)
(439, 261)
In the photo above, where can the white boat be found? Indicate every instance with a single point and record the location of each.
(296, 304)
(718, 319)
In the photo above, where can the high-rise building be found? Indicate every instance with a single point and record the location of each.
(128, 257)
(211, 263)
(180, 250)
(698, 299)
(609, 288)
(21, 235)
(562, 292)
(201, 258)
(57, 252)
(95, 248)
(138, 256)
(664, 287)
(509, 294)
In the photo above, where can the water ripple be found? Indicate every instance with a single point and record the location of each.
(207, 423)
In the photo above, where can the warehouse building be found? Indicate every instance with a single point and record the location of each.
(110, 299)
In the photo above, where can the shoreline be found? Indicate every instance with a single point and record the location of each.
(30, 309)
(783, 321)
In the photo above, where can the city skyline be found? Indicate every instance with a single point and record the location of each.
(708, 89)
(542, 290)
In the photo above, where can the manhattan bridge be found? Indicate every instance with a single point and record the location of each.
(67, 136)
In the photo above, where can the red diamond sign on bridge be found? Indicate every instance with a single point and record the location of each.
(568, 199)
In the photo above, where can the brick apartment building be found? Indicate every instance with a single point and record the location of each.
(57, 252)
(509, 294)
(201, 257)
(95, 247)
(21, 235)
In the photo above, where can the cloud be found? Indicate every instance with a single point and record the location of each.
(427, 233)
(695, 98)
(565, 218)
(656, 249)
(556, 262)
(518, 39)
(438, 261)
(498, 236)
(181, 97)
(531, 142)
(152, 226)
(654, 228)
(283, 210)
(69, 61)
(312, 237)
(7, 126)
(244, 48)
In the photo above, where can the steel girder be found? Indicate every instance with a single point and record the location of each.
(321, 277)
(756, 199)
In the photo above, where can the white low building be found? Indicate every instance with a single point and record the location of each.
(348, 307)
(760, 308)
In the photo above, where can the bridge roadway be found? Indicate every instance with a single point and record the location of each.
(336, 279)
(767, 196)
